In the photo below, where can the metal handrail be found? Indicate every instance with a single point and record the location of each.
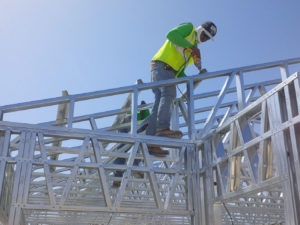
(145, 86)
(237, 73)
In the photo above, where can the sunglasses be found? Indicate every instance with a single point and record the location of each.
(207, 35)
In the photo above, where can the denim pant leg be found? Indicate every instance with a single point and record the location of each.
(151, 129)
(168, 95)
(164, 97)
(120, 161)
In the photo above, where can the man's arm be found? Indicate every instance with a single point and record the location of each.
(178, 34)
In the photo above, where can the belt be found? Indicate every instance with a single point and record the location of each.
(166, 66)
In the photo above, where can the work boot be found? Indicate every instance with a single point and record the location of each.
(138, 175)
(116, 184)
(157, 151)
(169, 133)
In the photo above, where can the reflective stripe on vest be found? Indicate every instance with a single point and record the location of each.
(174, 55)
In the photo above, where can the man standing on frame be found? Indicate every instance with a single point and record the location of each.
(179, 51)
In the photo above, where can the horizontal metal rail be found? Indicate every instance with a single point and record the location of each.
(140, 87)
(135, 89)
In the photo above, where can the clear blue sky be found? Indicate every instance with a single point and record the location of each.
(47, 46)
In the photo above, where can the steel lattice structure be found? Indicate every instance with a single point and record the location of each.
(238, 162)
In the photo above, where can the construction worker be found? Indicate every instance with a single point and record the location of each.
(141, 115)
(179, 51)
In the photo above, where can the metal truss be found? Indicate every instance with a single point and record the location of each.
(80, 180)
(238, 162)
(250, 165)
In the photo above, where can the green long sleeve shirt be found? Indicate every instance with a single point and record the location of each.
(177, 36)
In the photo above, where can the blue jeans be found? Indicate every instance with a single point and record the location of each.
(122, 161)
(160, 116)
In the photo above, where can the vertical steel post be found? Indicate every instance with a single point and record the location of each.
(188, 181)
(191, 122)
(278, 143)
(28, 156)
(295, 140)
(239, 78)
(196, 186)
(284, 70)
(175, 117)
(134, 111)
(208, 187)
(3, 154)
(71, 113)
(4, 148)
(15, 209)
(202, 188)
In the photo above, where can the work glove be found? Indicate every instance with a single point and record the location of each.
(198, 65)
(203, 71)
(196, 83)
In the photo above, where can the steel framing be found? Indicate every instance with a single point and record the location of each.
(238, 164)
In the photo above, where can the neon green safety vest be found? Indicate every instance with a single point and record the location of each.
(139, 115)
(175, 55)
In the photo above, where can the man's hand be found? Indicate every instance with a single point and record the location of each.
(198, 65)
(196, 83)
(203, 71)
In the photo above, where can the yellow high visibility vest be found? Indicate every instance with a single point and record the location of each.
(174, 55)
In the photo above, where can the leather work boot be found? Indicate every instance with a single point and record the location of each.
(157, 151)
(169, 133)
(138, 175)
(116, 184)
